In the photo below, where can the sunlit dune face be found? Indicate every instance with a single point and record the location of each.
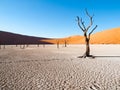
(68, 40)
(104, 37)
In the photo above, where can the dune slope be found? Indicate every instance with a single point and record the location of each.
(111, 36)
(107, 37)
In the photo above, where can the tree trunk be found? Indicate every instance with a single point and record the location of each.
(58, 44)
(87, 53)
(87, 39)
(65, 43)
(38, 45)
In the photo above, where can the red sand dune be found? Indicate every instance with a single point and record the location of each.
(8, 38)
(111, 36)
(69, 40)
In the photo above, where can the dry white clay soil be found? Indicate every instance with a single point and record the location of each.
(49, 68)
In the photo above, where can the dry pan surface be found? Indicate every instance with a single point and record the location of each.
(49, 68)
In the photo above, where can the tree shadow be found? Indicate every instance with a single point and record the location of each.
(107, 56)
(99, 56)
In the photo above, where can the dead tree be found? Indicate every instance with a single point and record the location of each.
(58, 43)
(38, 45)
(85, 30)
(65, 43)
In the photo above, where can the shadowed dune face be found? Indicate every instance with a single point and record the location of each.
(12, 39)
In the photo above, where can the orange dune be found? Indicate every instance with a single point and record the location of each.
(111, 36)
(69, 40)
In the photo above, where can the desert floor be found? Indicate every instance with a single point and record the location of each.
(49, 68)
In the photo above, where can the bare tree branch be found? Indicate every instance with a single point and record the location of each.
(88, 13)
(92, 30)
(91, 19)
(82, 22)
(78, 20)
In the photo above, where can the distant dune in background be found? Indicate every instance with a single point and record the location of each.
(69, 40)
(111, 36)
(12, 38)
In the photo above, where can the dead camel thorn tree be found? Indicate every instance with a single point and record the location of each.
(65, 43)
(85, 30)
(58, 43)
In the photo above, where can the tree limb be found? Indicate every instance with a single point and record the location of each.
(78, 20)
(82, 22)
(88, 13)
(92, 30)
(91, 19)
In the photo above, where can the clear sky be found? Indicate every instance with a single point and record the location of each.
(56, 18)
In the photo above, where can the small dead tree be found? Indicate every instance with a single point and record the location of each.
(65, 42)
(85, 29)
(38, 45)
(58, 43)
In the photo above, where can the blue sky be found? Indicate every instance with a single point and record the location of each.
(56, 18)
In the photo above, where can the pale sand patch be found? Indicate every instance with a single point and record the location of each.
(49, 68)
